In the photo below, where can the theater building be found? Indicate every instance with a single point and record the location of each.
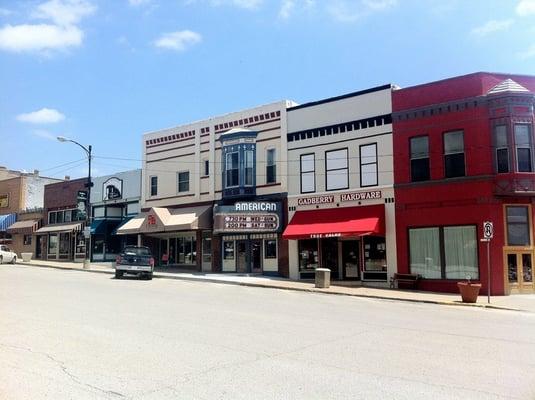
(464, 155)
(214, 193)
(340, 187)
(115, 199)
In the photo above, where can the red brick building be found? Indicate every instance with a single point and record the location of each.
(61, 236)
(464, 154)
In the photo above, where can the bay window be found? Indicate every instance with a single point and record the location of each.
(523, 144)
(501, 145)
(232, 169)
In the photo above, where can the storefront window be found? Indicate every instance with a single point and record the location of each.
(64, 243)
(52, 244)
(27, 240)
(270, 248)
(308, 254)
(228, 250)
(374, 254)
(425, 252)
(517, 226)
(460, 249)
(80, 243)
(457, 243)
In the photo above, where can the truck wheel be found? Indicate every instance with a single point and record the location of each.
(118, 274)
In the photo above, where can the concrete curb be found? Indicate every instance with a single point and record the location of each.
(159, 275)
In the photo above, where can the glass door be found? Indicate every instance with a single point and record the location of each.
(241, 256)
(256, 256)
(206, 253)
(520, 272)
(350, 259)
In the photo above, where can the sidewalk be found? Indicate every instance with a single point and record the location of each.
(513, 302)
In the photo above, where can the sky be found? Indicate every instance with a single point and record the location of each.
(104, 72)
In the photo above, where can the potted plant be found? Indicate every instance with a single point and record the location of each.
(469, 291)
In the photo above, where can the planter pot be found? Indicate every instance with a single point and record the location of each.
(469, 291)
(26, 257)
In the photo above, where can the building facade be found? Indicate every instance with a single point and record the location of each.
(115, 199)
(61, 236)
(464, 151)
(21, 203)
(214, 193)
(340, 187)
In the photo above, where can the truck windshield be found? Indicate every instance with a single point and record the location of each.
(136, 251)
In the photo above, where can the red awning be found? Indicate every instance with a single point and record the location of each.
(337, 222)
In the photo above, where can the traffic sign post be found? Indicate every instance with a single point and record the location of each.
(488, 233)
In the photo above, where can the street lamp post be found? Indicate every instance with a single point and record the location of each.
(88, 202)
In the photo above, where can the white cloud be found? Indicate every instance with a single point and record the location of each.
(492, 26)
(351, 11)
(137, 3)
(290, 7)
(42, 116)
(44, 134)
(39, 38)
(179, 40)
(286, 9)
(64, 12)
(60, 31)
(247, 4)
(525, 8)
(529, 53)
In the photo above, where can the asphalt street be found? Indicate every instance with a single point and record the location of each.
(76, 335)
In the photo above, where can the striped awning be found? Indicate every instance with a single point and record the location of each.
(26, 227)
(6, 221)
(77, 227)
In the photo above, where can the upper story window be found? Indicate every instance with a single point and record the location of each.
(206, 166)
(501, 145)
(233, 169)
(249, 168)
(271, 166)
(154, 186)
(523, 144)
(337, 169)
(419, 148)
(454, 154)
(183, 181)
(518, 226)
(58, 217)
(368, 165)
(308, 173)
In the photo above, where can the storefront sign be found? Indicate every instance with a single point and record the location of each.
(151, 219)
(4, 200)
(248, 217)
(306, 201)
(112, 189)
(376, 194)
(344, 197)
(256, 206)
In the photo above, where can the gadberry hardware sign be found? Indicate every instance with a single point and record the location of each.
(248, 217)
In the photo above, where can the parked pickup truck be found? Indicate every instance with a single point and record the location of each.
(136, 260)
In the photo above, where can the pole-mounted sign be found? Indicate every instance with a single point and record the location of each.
(488, 230)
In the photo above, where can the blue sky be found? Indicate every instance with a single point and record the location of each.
(104, 72)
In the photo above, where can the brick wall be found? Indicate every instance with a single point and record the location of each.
(12, 187)
(62, 195)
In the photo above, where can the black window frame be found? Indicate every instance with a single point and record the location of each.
(246, 168)
(271, 166)
(182, 182)
(267, 247)
(301, 172)
(206, 167)
(528, 147)
(448, 172)
(376, 164)
(336, 169)
(419, 162)
(500, 149)
(228, 170)
(153, 180)
(527, 224)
